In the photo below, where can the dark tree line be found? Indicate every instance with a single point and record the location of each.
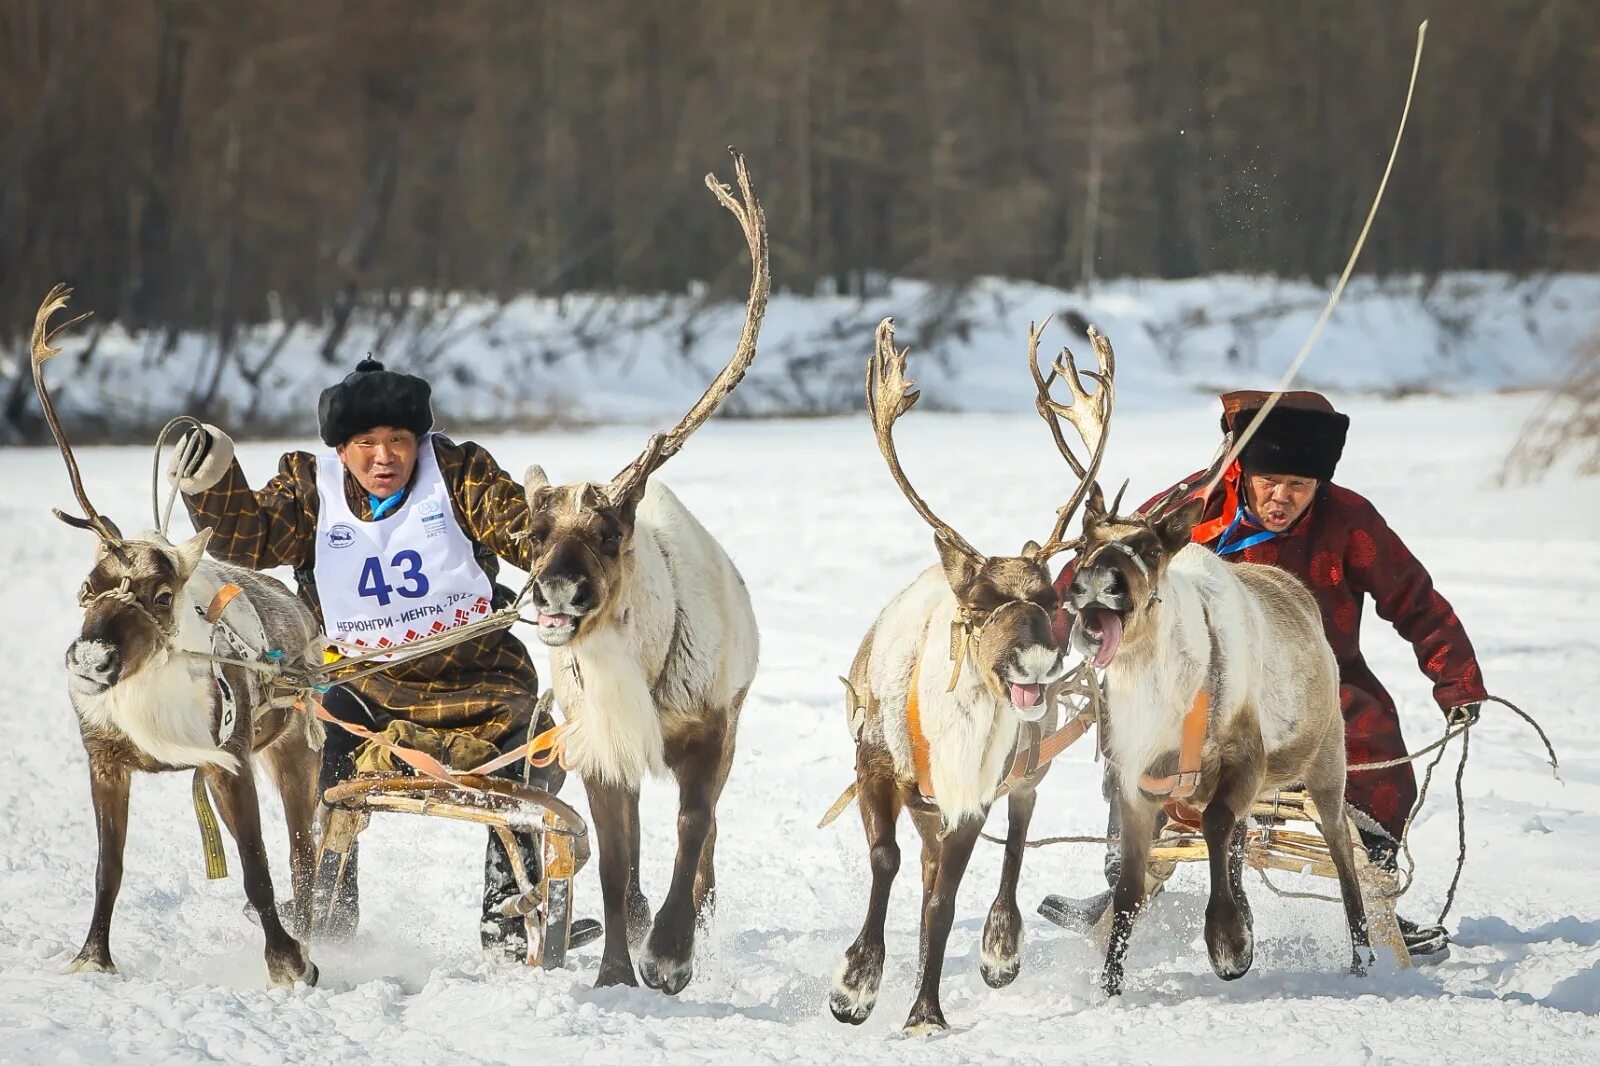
(203, 164)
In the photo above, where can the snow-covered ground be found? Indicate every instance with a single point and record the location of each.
(587, 358)
(824, 539)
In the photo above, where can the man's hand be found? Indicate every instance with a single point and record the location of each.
(203, 456)
(1464, 715)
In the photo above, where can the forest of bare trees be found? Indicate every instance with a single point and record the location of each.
(204, 164)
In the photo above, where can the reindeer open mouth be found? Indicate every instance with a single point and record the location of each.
(558, 627)
(1026, 678)
(1099, 633)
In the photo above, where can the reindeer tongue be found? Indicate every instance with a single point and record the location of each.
(1107, 625)
(1025, 696)
(554, 621)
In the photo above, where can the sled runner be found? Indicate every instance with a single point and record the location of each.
(545, 904)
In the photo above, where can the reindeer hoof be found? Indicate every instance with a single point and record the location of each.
(1232, 950)
(855, 985)
(614, 974)
(89, 964)
(665, 975)
(925, 1022)
(1001, 972)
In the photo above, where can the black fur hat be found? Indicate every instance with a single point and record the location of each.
(372, 396)
(1299, 441)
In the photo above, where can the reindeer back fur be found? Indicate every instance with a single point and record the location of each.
(679, 644)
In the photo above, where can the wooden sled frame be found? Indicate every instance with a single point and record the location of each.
(544, 906)
(1270, 844)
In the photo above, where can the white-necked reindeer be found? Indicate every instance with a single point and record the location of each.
(1169, 622)
(938, 736)
(653, 647)
(144, 704)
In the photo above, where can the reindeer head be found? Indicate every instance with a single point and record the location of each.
(1003, 603)
(1114, 590)
(130, 602)
(582, 533)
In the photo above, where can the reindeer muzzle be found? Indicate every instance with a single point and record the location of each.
(93, 666)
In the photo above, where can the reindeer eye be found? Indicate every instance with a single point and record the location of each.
(164, 598)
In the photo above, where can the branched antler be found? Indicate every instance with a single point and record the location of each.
(1090, 416)
(891, 394)
(630, 481)
(103, 527)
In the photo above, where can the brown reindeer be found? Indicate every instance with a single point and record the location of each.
(653, 647)
(1191, 643)
(937, 736)
(147, 700)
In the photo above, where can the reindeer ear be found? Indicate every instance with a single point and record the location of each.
(959, 570)
(534, 479)
(1175, 529)
(191, 551)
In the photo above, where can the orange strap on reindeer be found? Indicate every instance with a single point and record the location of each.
(1183, 784)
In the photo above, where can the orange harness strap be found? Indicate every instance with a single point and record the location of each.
(919, 739)
(1186, 781)
(220, 601)
(1028, 760)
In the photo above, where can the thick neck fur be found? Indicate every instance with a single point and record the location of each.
(678, 645)
(1162, 663)
(971, 733)
(165, 709)
(603, 679)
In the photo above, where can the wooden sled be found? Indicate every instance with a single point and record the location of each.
(503, 806)
(1283, 834)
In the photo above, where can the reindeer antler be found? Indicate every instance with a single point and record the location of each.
(663, 446)
(1090, 415)
(103, 527)
(891, 394)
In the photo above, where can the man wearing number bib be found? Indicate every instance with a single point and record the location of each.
(394, 533)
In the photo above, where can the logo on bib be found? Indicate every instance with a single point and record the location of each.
(341, 536)
(432, 511)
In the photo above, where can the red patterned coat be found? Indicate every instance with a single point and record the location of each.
(1345, 552)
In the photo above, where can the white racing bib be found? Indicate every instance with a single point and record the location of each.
(407, 575)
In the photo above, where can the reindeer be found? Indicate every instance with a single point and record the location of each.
(147, 699)
(938, 737)
(653, 648)
(1190, 643)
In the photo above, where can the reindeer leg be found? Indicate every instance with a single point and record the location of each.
(1230, 940)
(287, 959)
(294, 765)
(938, 912)
(1138, 820)
(109, 785)
(705, 879)
(637, 903)
(693, 757)
(1335, 826)
(860, 972)
(612, 807)
(1000, 958)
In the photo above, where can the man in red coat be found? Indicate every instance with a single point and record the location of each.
(1278, 506)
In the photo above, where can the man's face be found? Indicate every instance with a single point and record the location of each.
(381, 459)
(1277, 500)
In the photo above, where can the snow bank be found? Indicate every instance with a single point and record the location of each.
(593, 358)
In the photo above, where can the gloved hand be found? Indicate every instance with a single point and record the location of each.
(202, 457)
(1466, 714)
